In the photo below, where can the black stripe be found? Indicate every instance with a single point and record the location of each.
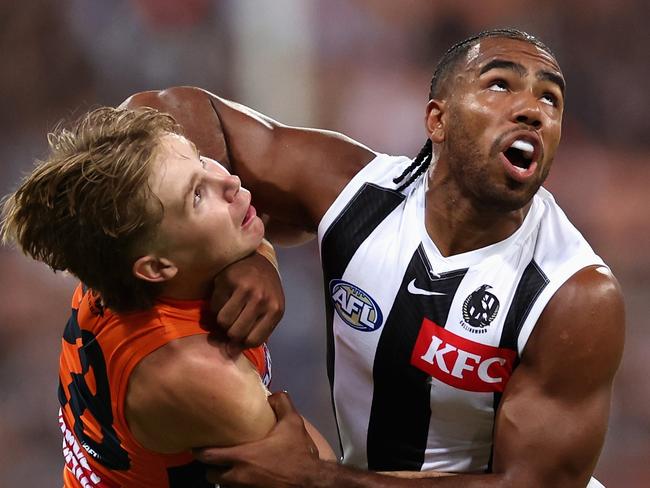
(401, 404)
(531, 284)
(63, 401)
(72, 331)
(365, 211)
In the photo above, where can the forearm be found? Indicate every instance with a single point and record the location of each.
(330, 475)
(415, 474)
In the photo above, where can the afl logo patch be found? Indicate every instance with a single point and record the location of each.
(355, 307)
(479, 310)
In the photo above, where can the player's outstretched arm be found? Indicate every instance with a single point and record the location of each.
(287, 457)
(293, 173)
(191, 393)
(550, 425)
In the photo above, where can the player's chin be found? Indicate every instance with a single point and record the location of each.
(254, 230)
(515, 194)
(515, 200)
(507, 196)
(258, 226)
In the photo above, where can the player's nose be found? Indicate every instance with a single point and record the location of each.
(231, 185)
(527, 111)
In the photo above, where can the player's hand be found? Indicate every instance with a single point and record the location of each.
(286, 457)
(249, 301)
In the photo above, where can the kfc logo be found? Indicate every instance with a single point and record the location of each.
(459, 362)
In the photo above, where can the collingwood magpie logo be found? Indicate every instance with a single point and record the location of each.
(355, 307)
(479, 310)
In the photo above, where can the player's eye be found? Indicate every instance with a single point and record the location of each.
(549, 99)
(203, 161)
(197, 196)
(498, 86)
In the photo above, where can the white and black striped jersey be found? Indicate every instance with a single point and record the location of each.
(421, 346)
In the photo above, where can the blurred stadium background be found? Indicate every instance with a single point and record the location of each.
(361, 67)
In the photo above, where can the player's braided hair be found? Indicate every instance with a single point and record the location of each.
(421, 162)
(439, 83)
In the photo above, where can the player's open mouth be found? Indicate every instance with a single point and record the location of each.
(250, 215)
(520, 157)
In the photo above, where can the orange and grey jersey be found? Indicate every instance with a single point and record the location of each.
(421, 345)
(100, 349)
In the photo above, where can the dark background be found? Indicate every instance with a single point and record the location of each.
(361, 67)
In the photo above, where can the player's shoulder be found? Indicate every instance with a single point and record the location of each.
(584, 322)
(198, 354)
(199, 393)
(591, 289)
(183, 365)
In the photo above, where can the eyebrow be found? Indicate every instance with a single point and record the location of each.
(553, 78)
(541, 75)
(503, 64)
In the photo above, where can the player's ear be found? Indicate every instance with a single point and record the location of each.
(435, 120)
(154, 269)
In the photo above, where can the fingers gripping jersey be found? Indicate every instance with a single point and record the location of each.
(99, 351)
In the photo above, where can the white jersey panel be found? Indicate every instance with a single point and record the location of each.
(560, 251)
(355, 349)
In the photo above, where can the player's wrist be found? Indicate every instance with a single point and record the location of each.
(265, 249)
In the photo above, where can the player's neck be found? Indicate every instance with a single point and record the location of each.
(456, 224)
(183, 287)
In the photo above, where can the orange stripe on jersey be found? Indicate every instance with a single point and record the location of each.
(99, 351)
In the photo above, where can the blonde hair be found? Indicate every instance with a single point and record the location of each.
(88, 207)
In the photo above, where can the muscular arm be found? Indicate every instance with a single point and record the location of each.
(558, 401)
(293, 173)
(552, 419)
(191, 393)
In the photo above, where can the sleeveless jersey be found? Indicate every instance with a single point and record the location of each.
(100, 349)
(421, 346)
